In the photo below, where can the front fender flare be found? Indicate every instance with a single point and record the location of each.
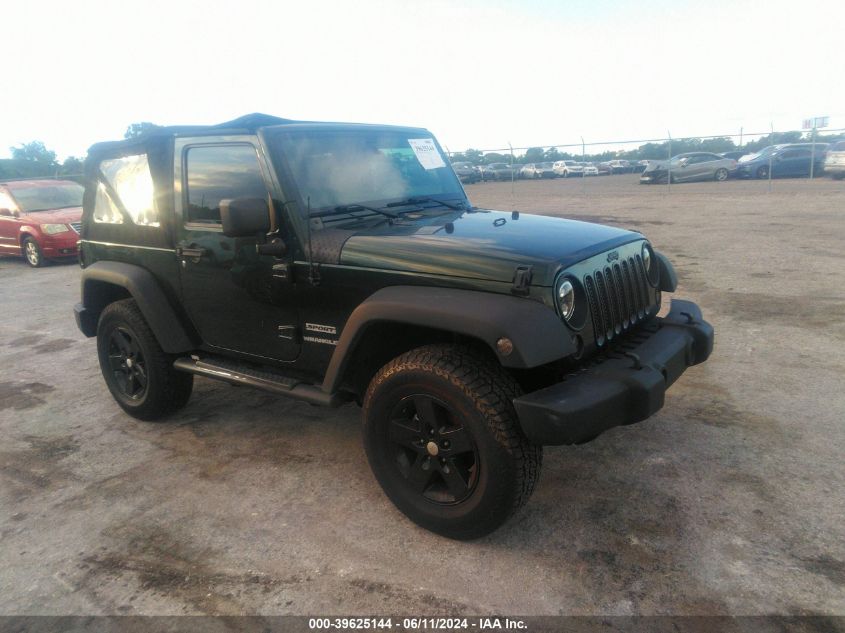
(538, 335)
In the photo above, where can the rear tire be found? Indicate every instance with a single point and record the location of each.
(762, 172)
(139, 375)
(721, 175)
(443, 440)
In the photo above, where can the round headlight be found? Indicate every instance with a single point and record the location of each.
(647, 259)
(566, 299)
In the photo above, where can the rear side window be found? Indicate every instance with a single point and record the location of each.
(219, 172)
(6, 202)
(126, 182)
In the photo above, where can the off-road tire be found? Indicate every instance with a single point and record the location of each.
(166, 389)
(32, 253)
(475, 394)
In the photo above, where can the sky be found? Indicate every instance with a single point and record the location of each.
(478, 74)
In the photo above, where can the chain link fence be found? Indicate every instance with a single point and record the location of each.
(600, 158)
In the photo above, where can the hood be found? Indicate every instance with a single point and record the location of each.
(57, 216)
(657, 165)
(486, 245)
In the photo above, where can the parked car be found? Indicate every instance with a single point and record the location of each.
(619, 167)
(639, 166)
(567, 168)
(688, 167)
(470, 337)
(590, 169)
(834, 162)
(40, 219)
(604, 168)
(467, 172)
(790, 160)
(538, 170)
(500, 171)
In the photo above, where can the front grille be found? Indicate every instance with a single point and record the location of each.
(76, 226)
(618, 296)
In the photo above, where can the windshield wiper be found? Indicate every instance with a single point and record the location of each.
(351, 208)
(420, 199)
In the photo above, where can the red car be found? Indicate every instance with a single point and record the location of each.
(40, 219)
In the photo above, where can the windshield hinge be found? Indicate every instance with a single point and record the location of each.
(522, 280)
(314, 274)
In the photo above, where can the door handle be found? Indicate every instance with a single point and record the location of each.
(190, 251)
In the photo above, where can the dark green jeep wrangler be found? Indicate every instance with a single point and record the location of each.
(334, 262)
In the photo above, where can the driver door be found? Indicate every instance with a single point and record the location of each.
(239, 300)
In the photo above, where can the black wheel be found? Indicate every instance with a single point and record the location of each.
(721, 174)
(138, 373)
(443, 440)
(32, 253)
(763, 172)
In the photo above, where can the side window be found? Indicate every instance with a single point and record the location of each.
(130, 179)
(6, 202)
(105, 210)
(218, 172)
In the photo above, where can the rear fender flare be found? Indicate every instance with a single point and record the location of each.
(145, 290)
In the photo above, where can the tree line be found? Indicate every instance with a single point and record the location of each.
(35, 160)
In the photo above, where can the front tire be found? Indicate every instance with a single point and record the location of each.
(444, 443)
(32, 253)
(762, 172)
(139, 375)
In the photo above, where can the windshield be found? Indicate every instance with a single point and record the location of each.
(763, 152)
(336, 169)
(48, 197)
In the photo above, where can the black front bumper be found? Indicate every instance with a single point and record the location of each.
(626, 387)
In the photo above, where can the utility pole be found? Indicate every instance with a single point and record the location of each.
(813, 150)
(772, 139)
(583, 177)
(513, 201)
(669, 163)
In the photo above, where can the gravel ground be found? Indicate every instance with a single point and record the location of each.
(729, 500)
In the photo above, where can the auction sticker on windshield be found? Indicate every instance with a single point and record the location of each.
(426, 152)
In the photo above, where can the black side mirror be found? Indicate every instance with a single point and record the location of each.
(243, 217)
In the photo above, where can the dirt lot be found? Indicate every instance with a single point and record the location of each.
(730, 500)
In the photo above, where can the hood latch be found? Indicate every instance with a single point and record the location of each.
(522, 280)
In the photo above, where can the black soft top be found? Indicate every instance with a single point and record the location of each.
(158, 137)
(248, 124)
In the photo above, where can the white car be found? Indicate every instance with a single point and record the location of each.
(834, 163)
(590, 170)
(538, 170)
(567, 168)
